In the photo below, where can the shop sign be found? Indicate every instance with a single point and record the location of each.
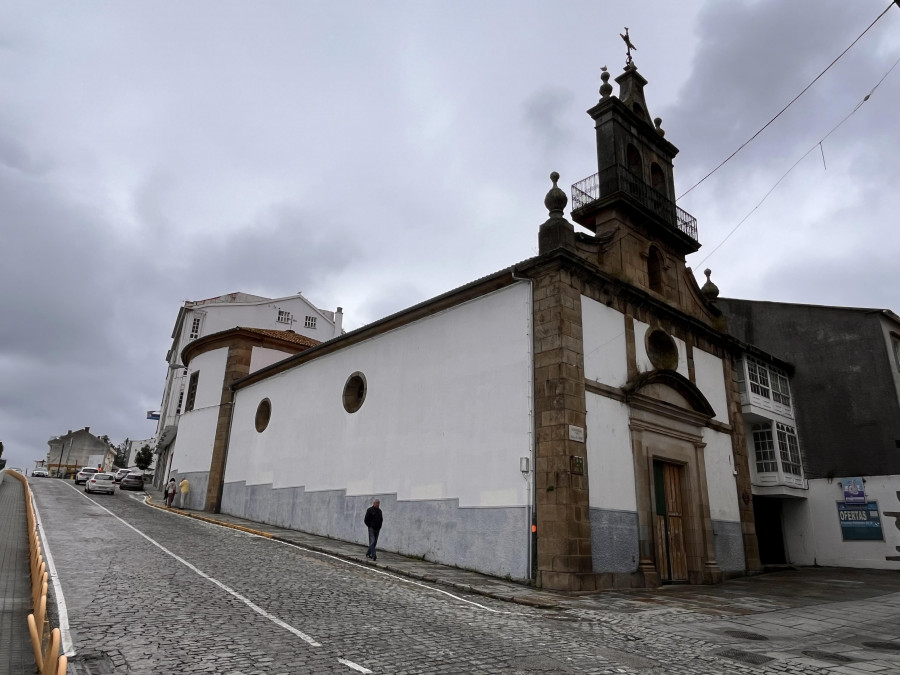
(860, 522)
(854, 490)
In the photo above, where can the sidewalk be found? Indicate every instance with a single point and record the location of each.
(16, 657)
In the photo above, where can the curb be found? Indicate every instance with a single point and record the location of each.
(466, 588)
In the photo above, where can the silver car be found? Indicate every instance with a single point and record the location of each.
(101, 482)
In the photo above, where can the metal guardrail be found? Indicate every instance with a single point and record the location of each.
(49, 661)
(619, 179)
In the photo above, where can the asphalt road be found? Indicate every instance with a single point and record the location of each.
(149, 591)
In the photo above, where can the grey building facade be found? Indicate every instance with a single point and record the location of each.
(846, 379)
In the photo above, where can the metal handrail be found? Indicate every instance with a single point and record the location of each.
(619, 179)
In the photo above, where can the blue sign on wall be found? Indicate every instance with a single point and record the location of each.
(860, 522)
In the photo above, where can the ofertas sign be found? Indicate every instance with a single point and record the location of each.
(860, 522)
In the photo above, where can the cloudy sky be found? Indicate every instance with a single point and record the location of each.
(373, 155)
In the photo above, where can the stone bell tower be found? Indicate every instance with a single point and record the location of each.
(629, 204)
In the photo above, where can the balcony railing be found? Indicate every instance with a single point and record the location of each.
(619, 179)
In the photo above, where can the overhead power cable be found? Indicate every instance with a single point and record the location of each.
(805, 89)
(818, 144)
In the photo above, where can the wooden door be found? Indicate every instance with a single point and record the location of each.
(671, 560)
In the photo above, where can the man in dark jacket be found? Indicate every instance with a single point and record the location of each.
(373, 521)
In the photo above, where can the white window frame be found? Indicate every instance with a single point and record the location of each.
(764, 449)
(769, 387)
(310, 322)
(776, 454)
(196, 327)
(789, 450)
(284, 317)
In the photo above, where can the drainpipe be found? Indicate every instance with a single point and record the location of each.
(532, 450)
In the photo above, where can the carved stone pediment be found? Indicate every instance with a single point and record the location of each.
(669, 388)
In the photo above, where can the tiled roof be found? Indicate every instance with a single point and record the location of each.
(286, 335)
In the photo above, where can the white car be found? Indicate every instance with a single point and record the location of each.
(121, 473)
(101, 482)
(85, 473)
(40, 473)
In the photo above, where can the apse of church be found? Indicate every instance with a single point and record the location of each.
(641, 468)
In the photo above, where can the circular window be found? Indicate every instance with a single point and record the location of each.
(662, 350)
(263, 414)
(354, 392)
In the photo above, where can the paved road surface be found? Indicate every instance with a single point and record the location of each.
(150, 591)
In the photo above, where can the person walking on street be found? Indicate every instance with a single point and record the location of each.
(185, 487)
(373, 521)
(170, 492)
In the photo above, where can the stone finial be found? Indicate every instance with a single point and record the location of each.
(605, 88)
(556, 199)
(658, 122)
(709, 290)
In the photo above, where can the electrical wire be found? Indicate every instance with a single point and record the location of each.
(793, 100)
(818, 144)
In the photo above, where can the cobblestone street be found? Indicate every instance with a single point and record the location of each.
(150, 591)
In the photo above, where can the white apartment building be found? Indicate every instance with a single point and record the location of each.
(197, 318)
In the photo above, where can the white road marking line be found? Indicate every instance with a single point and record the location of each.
(65, 636)
(358, 668)
(256, 608)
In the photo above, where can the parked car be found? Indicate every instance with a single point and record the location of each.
(85, 473)
(120, 474)
(133, 481)
(40, 473)
(100, 482)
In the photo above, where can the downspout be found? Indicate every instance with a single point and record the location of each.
(529, 475)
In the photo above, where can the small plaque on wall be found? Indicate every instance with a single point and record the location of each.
(576, 433)
(576, 465)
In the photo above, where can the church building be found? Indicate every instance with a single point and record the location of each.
(588, 435)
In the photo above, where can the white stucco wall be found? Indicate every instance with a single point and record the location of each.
(799, 535)
(194, 444)
(640, 350)
(603, 330)
(197, 428)
(260, 357)
(709, 373)
(610, 458)
(211, 366)
(720, 479)
(827, 542)
(225, 316)
(447, 412)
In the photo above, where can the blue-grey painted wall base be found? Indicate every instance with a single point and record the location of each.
(614, 540)
(492, 540)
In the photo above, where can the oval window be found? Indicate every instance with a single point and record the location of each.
(263, 414)
(662, 350)
(354, 392)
